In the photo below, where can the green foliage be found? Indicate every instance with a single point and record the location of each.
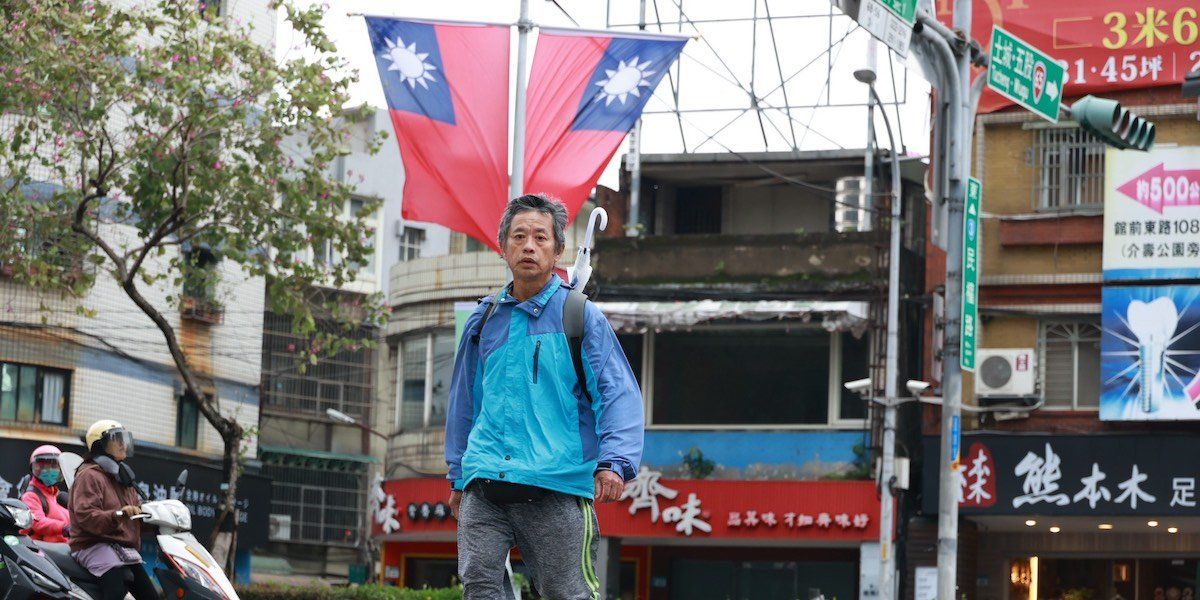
(696, 465)
(149, 128)
(860, 467)
(362, 592)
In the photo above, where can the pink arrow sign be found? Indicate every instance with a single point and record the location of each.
(1160, 188)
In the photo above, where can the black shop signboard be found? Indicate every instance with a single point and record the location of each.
(157, 471)
(1085, 475)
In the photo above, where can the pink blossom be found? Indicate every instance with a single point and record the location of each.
(217, 165)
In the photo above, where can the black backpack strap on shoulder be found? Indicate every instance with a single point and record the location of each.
(573, 317)
(487, 314)
(42, 497)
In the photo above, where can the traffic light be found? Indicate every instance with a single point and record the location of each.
(1113, 123)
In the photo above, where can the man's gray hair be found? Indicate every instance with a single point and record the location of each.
(538, 203)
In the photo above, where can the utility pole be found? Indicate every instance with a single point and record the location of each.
(516, 181)
(887, 555)
(635, 157)
(868, 187)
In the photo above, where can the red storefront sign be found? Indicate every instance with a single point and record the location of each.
(663, 508)
(1112, 45)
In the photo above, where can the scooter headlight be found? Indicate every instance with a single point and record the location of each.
(199, 575)
(21, 516)
(42, 580)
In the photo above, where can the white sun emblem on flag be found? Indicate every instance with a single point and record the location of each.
(624, 81)
(410, 63)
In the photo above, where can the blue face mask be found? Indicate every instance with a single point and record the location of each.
(50, 476)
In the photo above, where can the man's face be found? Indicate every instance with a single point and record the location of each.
(530, 249)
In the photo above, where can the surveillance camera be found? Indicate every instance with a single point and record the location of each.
(858, 385)
(915, 387)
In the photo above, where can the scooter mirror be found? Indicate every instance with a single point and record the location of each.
(64, 499)
(21, 486)
(69, 462)
(182, 481)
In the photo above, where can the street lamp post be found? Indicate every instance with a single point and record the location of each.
(887, 557)
(345, 419)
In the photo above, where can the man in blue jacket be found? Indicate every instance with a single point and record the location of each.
(529, 445)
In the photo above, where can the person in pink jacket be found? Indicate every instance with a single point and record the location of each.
(51, 520)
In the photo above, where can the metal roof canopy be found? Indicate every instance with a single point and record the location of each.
(834, 316)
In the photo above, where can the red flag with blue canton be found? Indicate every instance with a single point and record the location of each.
(586, 90)
(447, 92)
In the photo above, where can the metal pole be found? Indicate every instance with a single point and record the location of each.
(516, 181)
(868, 188)
(635, 158)
(955, 138)
(887, 555)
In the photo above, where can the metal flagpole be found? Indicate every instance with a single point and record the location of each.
(635, 157)
(516, 181)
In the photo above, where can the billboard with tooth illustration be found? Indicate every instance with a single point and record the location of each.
(1152, 214)
(1150, 353)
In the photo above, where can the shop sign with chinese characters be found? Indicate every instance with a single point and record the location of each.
(1152, 214)
(1071, 475)
(653, 507)
(1112, 45)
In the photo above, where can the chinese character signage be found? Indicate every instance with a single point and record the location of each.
(1071, 475)
(1106, 46)
(653, 507)
(1150, 353)
(1025, 75)
(1152, 214)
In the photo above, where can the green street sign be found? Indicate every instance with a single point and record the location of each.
(1025, 75)
(905, 9)
(969, 324)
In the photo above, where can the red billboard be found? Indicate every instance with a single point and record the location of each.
(1104, 46)
(673, 508)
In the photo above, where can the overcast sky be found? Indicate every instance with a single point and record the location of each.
(714, 72)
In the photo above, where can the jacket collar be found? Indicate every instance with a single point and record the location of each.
(537, 303)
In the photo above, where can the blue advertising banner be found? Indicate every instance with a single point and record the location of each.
(1150, 353)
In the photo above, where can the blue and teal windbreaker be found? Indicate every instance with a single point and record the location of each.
(517, 412)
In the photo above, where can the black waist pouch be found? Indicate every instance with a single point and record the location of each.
(504, 492)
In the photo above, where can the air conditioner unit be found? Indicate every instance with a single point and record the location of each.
(1007, 372)
(279, 527)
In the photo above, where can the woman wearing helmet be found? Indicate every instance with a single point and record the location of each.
(51, 521)
(104, 536)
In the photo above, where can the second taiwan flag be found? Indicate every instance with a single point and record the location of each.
(586, 90)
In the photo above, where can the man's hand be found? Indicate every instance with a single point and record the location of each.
(455, 501)
(128, 511)
(609, 486)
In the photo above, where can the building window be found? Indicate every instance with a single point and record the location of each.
(411, 240)
(32, 394)
(474, 245)
(344, 381)
(427, 365)
(321, 496)
(187, 421)
(698, 209)
(1069, 169)
(1070, 364)
(752, 377)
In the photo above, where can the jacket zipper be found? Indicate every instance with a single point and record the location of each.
(537, 349)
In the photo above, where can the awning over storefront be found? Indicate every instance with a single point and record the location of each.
(834, 316)
(835, 513)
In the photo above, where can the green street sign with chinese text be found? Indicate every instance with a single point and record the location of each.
(905, 9)
(1025, 75)
(969, 325)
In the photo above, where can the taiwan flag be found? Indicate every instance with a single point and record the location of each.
(447, 91)
(586, 90)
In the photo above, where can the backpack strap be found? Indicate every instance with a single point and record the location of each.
(573, 316)
(487, 314)
(42, 497)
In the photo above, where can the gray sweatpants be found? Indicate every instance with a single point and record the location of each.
(558, 537)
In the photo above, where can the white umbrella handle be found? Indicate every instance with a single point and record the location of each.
(582, 271)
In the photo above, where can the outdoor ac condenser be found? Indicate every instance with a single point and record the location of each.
(1006, 372)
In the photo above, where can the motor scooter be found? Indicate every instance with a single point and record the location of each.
(26, 572)
(187, 570)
